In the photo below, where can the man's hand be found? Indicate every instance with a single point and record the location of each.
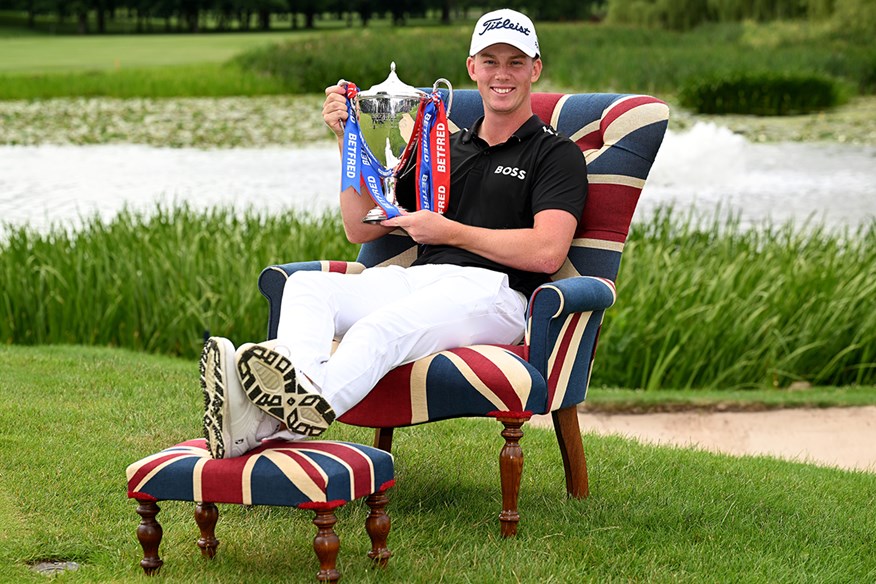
(334, 110)
(426, 227)
(542, 248)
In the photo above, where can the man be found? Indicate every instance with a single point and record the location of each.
(516, 193)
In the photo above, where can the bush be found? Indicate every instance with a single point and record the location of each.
(762, 94)
(363, 58)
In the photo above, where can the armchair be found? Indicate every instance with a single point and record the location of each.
(619, 136)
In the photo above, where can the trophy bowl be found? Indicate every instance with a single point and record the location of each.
(387, 116)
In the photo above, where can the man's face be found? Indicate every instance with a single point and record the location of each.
(504, 75)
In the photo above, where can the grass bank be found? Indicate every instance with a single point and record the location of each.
(578, 56)
(655, 514)
(702, 305)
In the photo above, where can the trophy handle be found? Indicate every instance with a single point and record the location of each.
(449, 92)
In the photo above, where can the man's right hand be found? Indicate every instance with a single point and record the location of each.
(334, 110)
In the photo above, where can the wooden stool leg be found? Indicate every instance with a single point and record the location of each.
(149, 533)
(326, 545)
(377, 524)
(206, 516)
(510, 469)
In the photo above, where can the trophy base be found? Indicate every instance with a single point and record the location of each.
(376, 215)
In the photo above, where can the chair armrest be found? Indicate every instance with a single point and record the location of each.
(564, 321)
(273, 279)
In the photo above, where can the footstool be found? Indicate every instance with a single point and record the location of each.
(313, 474)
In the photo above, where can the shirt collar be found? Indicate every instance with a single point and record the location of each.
(529, 128)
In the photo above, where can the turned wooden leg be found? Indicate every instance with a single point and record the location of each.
(206, 516)
(383, 439)
(149, 533)
(510, 470)
(572, 450)
(377, 524)
(326, 545)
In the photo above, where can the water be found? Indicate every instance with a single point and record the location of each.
(709, 166)
(44, 185)
(704, 168)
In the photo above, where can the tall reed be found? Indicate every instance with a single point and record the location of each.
(702, 304)
(153, 281)
(705, 304)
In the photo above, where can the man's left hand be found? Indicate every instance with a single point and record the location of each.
(426, 227)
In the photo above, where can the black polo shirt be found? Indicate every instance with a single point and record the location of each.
(503, 187)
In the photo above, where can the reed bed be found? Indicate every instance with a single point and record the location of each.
(154, 281)
(705, 304)
(702, 304)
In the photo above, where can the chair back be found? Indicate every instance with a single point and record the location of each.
(619, 136)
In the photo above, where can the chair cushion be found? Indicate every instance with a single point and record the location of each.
(282, 473)
(480, 380)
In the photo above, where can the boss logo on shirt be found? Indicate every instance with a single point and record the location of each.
(509, 171)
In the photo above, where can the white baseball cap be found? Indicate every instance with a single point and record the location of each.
(505, 26)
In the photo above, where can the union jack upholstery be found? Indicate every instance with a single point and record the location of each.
(315, 474)
(619, 136)
(291, 474)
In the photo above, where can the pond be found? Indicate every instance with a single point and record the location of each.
(706, 167)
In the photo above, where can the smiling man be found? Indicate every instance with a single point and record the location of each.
(517, 190)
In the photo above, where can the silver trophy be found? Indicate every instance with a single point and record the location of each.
(387, 116)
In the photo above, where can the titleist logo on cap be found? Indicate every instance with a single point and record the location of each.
(495, 23)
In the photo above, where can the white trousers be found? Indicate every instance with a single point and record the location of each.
(388, 316)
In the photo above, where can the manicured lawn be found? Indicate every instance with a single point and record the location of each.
(72, 418)
(33, 54)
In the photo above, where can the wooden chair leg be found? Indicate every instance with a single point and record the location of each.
(510, 470)
(326, 545)
(383, 439)
(206, 516)
(572, 450)
(378, 524)
(149, 534)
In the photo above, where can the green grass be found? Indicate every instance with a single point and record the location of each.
(66, 54)
(202, 79)
(73, 418)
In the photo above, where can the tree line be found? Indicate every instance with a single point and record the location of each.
(95, 16)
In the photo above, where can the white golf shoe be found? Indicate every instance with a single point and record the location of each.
(232, 424)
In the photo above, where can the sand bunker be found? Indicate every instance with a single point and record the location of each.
(840, 437)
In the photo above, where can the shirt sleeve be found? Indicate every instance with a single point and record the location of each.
(561, 180)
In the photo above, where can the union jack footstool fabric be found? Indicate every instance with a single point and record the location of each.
(314, 474)
(307, 474)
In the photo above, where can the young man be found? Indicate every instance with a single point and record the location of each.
(517, 191)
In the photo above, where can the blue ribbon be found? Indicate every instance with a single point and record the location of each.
(360, 164)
